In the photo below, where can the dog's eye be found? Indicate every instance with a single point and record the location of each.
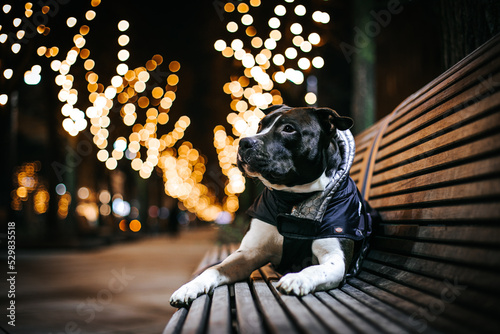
(259, 127)
(288, 129)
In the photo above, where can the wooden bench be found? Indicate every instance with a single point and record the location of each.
(432, 170)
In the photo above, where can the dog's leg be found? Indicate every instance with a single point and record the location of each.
(260, 245)
(328, 274)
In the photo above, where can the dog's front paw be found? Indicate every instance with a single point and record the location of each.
(296, 284)
(186, 294)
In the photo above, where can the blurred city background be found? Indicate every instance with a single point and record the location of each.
(120, 121)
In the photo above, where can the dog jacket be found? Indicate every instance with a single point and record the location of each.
(338, 211)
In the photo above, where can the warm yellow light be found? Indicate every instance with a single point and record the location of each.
(314, 38)
(71, 21)
(111, 163)
(318, 62)
(304, 63)
(274, 22)
(123, 40)
(243, 8)
(174, 66)
(4, 98)
(232, 26)
(310, 98)
(173, 79)
(89, 64)
(296, 28)
(291, 53)
(300, 10)
(220, 45)
(90, 15)
(247, 19)
(280, 10)
(123, 55)
(123, 25)
(8, 73)
(16, 47)
(256, 42)
(135, 225)
(275, 34)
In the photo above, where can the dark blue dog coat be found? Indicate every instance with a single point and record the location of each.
(339, 211)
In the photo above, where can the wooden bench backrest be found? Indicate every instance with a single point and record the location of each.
(432, 170)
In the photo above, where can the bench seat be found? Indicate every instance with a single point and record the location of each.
(432, 170)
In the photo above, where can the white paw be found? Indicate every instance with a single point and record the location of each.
(297, 284)
(186, 294)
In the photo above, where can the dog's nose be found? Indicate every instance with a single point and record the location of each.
(247, 143)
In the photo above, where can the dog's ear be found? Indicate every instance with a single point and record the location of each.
(272, 108)
(330, 120)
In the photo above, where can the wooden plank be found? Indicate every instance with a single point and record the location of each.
(387, 310)
(268, 273)
(445, 311)
(354, 320)
(472, 277)
(377, 319)
(196, 319)
(461, 192)
(426, 163)
(219, 321)
(305, 320)
(455, 288)
(275, 317)
(175, 323)
(248, 318)
(328, 317)
(465, 234)
(483, 168)
(417, 316)
(460, 136)
(460, 254)
(464, 212)
(436, 118)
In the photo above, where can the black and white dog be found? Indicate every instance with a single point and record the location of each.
(310, 222)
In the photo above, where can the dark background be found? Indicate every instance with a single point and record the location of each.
(367, 73)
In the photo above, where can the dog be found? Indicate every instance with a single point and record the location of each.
(310, 222)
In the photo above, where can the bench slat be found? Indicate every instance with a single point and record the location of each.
(419, 306)
(471, 91)
(483, 235)
(484, 168)
(384, 324)
(460, 254)
(454, 138)
(174, 326)
(197, 317)
(462, 212)
(458, 291)
(274, 315)
(440, 119)
(306, 321)
(219, 321)
(463, 154)
(331, 320)
(381, 307)
(478, 190)
(249, 319)
(359, 324)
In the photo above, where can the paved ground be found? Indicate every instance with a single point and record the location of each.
(122, 288)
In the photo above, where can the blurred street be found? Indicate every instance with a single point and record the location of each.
(123, 288)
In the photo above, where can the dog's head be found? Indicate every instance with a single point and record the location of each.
(292, 147)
